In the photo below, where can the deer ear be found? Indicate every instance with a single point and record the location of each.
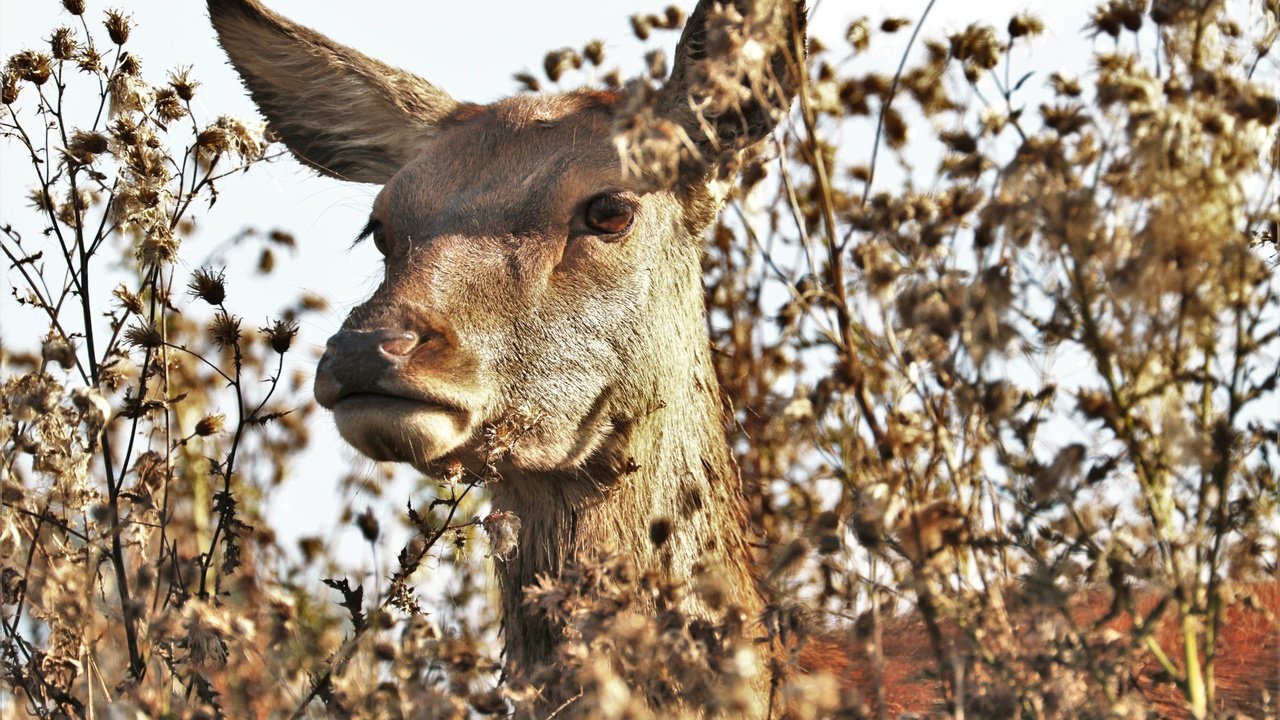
(345, 114)
(736, 70)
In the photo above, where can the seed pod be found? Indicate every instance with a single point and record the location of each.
(210, 425)
(118, 26)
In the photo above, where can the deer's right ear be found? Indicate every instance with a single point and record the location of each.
(345, 114)
(736, 70)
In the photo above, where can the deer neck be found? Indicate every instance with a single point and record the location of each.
(662, 492)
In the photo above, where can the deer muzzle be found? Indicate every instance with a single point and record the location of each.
(383, 401)
(369, 362)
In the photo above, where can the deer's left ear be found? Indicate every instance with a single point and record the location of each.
(736, 70)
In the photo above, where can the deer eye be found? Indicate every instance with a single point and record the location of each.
(374, 230)
(609, 214)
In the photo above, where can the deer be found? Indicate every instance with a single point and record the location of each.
(537, 263)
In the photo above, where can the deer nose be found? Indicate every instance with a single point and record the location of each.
(397, 344)
(382, 342)
(358, 361)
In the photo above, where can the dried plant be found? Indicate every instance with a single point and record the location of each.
(1007, 435)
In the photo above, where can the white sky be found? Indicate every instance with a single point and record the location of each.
(470, 49)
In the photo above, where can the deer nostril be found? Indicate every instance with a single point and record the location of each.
(398, 344)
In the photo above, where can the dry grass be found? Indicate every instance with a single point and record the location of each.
(948, 525)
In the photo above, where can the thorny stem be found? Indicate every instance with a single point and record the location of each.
(206, 559)
(137, 666)
(320, 684)
(856, 372)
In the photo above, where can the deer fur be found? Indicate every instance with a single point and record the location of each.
(497, 302)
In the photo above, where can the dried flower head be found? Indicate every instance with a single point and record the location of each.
(85, 146)
(128, 299)
(89, 59)
(367, 522)
(641, 25)
(34, 67)
(225, 329)
(280, 334)
(503, 529)
(8, 87)
(182, 84)
(41, 200)
(1025, 25)
(208, 285)
(894, 24)
(594, 52)
(159, 246)
(57, 348)
(118, 26)
(129, 93)
(210, 425)
(858, 34)
(168, 106)
(558, 62)
(528, 82)
(63, 44)
(143, 336)
(1064, 85)
(656, 60)
(75, 7)
(229, 134)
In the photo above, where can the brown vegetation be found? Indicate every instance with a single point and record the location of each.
(918, 509)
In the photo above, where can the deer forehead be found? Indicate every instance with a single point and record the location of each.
(518, 166)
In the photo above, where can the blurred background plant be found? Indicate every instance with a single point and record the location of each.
(1006, 421)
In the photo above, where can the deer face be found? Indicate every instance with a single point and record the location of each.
(527, 277)
(518, 283)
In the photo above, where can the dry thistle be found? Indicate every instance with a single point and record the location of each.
(641, 25)
(894, 24)
(656, 61)
(368, 525)
(143, 336)
(85, 146)
(859, 34)
(63, 44)
(280, 334)
(1025, 25)
(594, 52)
(182, 84)
(159, 246)
(128, 299)
(118, 26)
(8, 87)
(503, 529)
(558, 62)
(75, 7)
(129, 92)
(225, 329)
(168, 106)
(89, 59)
(34, 67)
(210, 425)
(59, 349)
(528, 82)
(208, 285)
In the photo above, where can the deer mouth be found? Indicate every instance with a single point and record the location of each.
(395, 428)
(383, 399)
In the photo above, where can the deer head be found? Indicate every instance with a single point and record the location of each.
(525, 272)
(543, 261)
